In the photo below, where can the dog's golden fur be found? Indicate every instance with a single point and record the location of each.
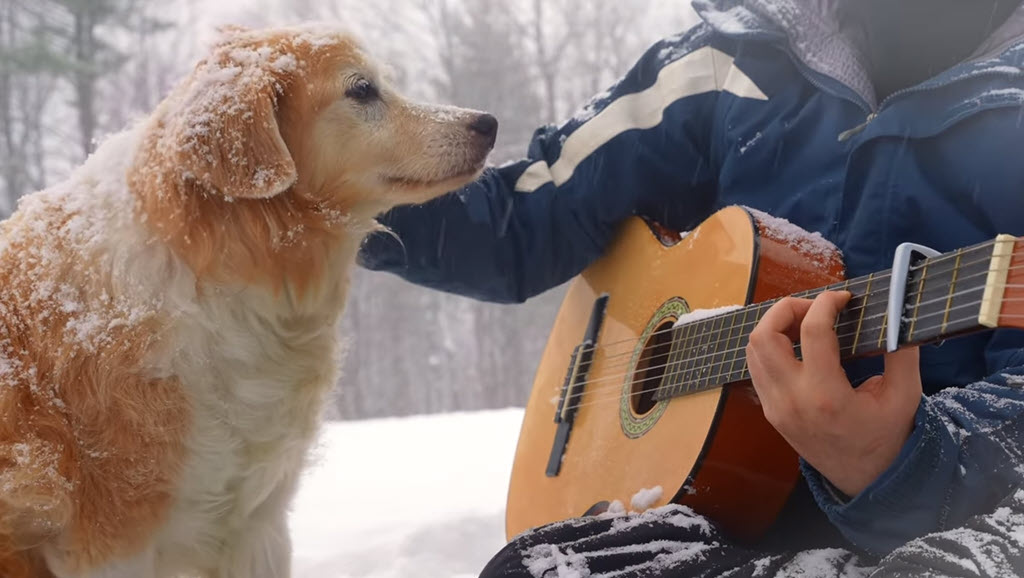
(167, 320)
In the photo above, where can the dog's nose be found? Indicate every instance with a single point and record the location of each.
(486, 126)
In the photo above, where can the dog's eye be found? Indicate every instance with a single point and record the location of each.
(362, 91)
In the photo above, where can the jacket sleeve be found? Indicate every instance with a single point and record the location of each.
(525, 227)
(963, 456)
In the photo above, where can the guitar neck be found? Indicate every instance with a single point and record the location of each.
(947, 295)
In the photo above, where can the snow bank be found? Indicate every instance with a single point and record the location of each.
(420, 496)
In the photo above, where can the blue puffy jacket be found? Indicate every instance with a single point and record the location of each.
(764, 105)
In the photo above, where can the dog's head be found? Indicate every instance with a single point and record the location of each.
(287, 137)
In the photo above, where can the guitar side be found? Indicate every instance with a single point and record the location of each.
(712, 450)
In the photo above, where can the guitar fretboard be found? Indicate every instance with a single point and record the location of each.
(943, 298)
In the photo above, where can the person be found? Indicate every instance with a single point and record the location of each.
(872, 122)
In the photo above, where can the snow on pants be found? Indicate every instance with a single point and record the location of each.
(675, 542)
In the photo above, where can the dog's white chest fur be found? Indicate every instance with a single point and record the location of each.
(257, 384)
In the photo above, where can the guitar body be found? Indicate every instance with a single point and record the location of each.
(711, 450)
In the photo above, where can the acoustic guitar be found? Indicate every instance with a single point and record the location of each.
(644, 384)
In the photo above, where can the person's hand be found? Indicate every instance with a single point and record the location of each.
(849, 435)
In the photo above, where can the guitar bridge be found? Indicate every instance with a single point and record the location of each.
(572, 389)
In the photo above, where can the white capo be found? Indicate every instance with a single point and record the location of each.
(898, 290)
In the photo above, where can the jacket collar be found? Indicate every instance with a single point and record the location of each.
(812, 34)
(1010, 33)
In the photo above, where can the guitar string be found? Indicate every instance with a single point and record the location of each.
(858, 281)
(617, 398)
(695, 366)
(730, 336)
(753, 322)
(618, 388)
(952, 255)
(759, 306)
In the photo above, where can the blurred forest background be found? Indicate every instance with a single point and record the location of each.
(73, 71)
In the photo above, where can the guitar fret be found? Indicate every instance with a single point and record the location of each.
(732, 344)
(701, 357)
(720, 349)
(917, 306)
(713, 347)
(691, 357)
(860, 318)
(701, 367)
(681, 359)
(745, 372)
(673, 358)
(702, 361)
(873, 319)
(739, 337)
(710, 375)
(744, 341)
(714, 371)
(842, 337)
(931, 290)
(972, 276)
(700, 364)
(952, 291)
(729, 351)
(708, 359)
(881, 332)
(684, 356)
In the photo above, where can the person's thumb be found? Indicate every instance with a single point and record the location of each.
(903, 373)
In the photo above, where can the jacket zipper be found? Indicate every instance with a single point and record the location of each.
(809, 76)
(846, 134)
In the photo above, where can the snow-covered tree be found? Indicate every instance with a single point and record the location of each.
(29, 69)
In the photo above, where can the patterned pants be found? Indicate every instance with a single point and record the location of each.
(675, 542)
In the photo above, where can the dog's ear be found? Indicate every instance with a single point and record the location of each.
(224, 132)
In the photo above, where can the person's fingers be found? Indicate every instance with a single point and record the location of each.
(785, 317)
(902, 378)
(819, 343)
(903, 365)
(775, 400)
(770, 354)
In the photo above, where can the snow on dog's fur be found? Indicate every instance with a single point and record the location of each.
(167, 315)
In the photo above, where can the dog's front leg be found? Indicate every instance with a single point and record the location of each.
(262, 550)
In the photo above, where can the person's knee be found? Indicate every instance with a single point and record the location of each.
(507, 563)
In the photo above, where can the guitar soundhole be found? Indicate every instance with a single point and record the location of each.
(651, 369)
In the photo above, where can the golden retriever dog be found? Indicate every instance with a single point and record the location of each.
(168, 314)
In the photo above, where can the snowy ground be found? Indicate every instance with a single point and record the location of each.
(420, 496)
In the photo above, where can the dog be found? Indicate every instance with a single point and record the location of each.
(168, 314)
